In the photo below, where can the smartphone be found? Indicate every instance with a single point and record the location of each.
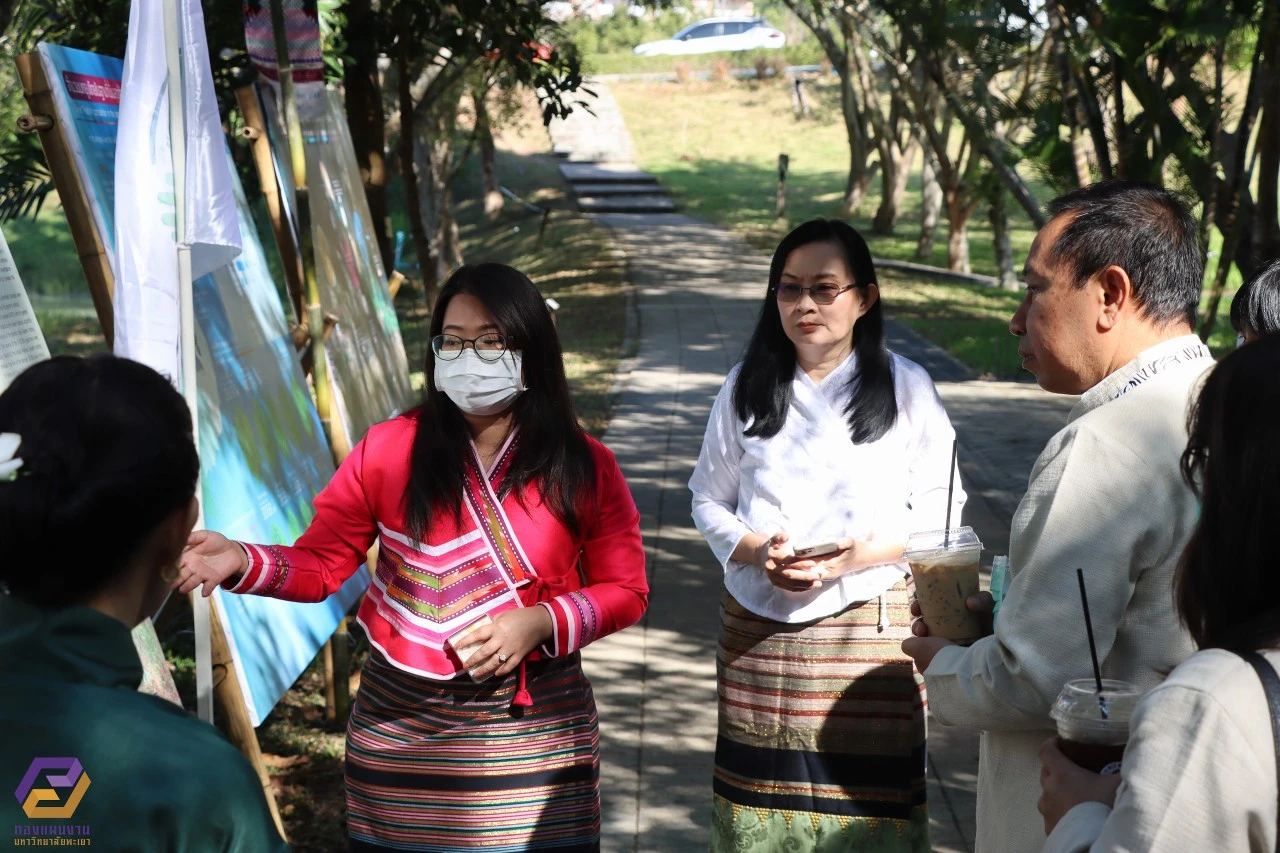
(816, 550)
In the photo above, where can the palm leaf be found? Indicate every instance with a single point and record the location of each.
(25, 181)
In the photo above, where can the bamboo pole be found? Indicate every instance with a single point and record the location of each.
(337, 671)
(230, 695)
(90, 248)
(298, 160)
(260, 145)
(334, 430)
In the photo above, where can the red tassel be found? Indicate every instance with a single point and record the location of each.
(523, 699)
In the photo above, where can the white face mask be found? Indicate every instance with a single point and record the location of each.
(480, 387)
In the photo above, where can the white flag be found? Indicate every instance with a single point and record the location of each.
(147, 324)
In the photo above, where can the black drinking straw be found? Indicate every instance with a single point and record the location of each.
(1093, 649)
(951, 488)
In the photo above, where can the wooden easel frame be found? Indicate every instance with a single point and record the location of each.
(94, 260)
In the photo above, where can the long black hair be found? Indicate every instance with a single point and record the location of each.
(551, 453)
(107, 457)
(762, 393)
(1257, 303)
(1227, 586)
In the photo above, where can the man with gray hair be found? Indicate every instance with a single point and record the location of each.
(1113, 282)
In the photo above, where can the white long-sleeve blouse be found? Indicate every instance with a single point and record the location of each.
(813, 483)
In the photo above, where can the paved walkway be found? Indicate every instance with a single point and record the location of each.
(697, 292)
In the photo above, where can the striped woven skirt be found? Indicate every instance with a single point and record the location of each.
(821, 744)
(449, 766)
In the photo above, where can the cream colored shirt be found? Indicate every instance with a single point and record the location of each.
(1106, 495)
(813, 483)
(1199, 770)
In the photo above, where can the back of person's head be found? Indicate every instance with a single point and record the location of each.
(1145, 230)
(552, 449)
(1228, 588)
(762, 393)
(1255, 311)
(107, 457)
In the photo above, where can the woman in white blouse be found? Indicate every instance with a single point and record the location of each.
(820, 437)
(1199, 770)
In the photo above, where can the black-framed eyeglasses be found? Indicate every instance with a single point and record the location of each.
(823, 294)
(488, 347)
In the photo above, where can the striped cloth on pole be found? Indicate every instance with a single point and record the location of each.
(306, 56)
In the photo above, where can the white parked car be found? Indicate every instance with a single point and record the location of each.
(714, 35)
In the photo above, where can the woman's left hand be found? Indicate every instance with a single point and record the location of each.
(846, 559)
(1065, 785)
(508, 640)
(801, 574)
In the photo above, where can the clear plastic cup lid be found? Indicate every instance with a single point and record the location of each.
(935, 543)
(1078, 703)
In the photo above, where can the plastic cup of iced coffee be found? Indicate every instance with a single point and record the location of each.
(1093, 727)
(944, 566)
(465, 646)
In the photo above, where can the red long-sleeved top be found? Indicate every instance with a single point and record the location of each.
(365, 502)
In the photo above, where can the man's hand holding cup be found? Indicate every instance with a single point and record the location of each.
(921, 647)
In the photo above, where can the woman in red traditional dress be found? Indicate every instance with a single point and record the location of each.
(487, 501)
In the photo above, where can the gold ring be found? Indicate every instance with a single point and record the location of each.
(502, 658)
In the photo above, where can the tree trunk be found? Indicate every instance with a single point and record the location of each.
(1121, 130)
(452, 237)
(408, 151)
(488, 159)
(442, 122)
(1231, 226)
(435, 125)
(896, 170)
(930, 205)
(1073, 111)
(1210, 193)
(958, 211)
(1267, 214)
(855, 188)
(1091, 105)
(365, 117)
(432, 262)
(998, 212)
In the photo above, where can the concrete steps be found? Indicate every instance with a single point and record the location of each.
(626, 204)
(599, 160)
(593, 174)
(589, 188)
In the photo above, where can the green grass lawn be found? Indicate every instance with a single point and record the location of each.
(715, 145)
(971, 321)
(42, 251)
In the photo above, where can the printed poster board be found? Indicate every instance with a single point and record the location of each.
(263, 455)
(21, 341)
(365, 352)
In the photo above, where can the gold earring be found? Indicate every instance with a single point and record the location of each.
(170, 573)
